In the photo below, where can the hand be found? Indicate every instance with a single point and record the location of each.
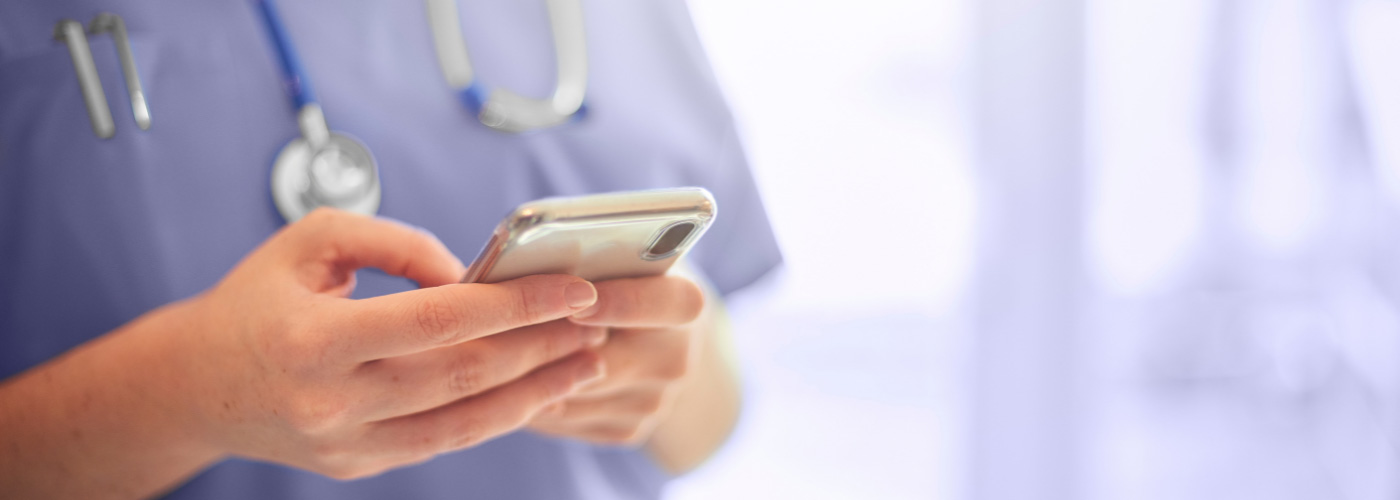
(651, 348)
(276, 363)
(284, 367)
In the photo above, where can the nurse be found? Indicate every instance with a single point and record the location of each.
(162, 331)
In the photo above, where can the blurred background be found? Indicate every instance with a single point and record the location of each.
(1102, 249)
(855, 116)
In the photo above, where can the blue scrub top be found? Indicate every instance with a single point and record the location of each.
(94, 233)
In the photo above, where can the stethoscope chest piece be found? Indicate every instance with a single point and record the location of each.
(320, 168)
(339, 173)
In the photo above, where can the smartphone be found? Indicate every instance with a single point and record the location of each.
(596, 237)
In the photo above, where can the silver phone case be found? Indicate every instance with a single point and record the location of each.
(595, 237)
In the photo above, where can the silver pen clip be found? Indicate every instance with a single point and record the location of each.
(71, 33)
(112, 24)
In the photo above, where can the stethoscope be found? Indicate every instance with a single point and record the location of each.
(502, 109)
(326, 168)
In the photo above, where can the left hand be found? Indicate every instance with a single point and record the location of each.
(651, 347)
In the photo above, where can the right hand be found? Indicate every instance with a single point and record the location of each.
(281, 365)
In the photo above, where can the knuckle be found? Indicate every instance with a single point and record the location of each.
(651, 404)
(636, 436)
(622, 435)
(633, 300)
(427, 444)
(318, 223)
(337, 472)
(347, 472)
(434, 320)
(553, 388)
(313, 230)
(341, 460)
(561, 341)
(611, 436)
(526, 305)
(675, 370)
(466, 375)
(467, 433)
(323, 215)
(332, 453)
(314, 416)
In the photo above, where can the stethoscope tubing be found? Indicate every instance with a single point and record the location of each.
(502, 109)
(294, 77)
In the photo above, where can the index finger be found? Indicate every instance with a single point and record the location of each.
(334, 242)
(429, 318)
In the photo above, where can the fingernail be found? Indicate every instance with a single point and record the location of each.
(580, 294)
(586, 312)
(595, 336)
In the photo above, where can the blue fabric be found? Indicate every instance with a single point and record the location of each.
(93, 233)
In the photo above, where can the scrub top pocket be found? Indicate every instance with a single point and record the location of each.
(145, 217)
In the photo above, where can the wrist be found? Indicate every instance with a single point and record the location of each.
(108, 419)
(146, 384)
(179, 367)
